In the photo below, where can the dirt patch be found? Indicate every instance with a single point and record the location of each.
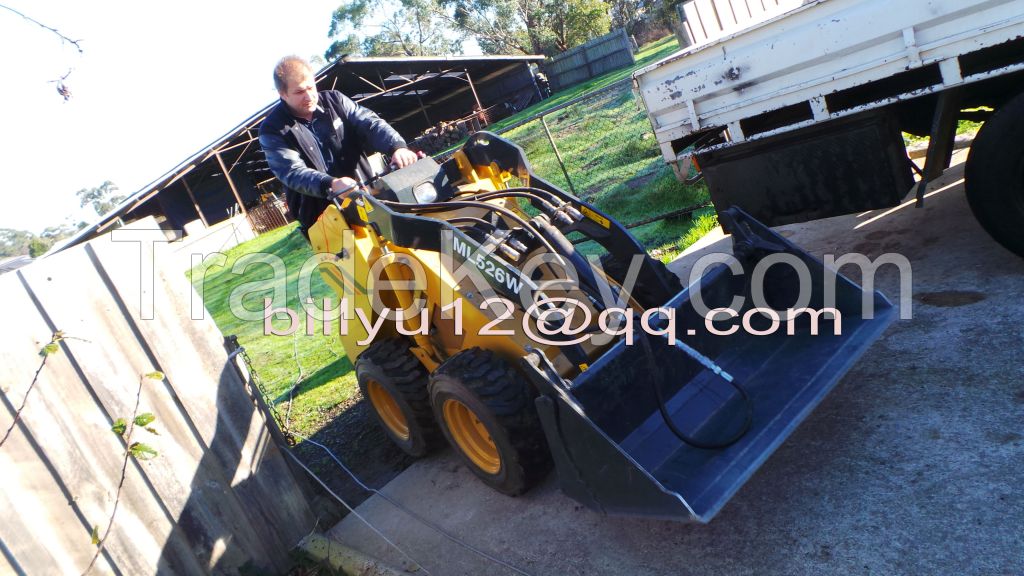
(642, 180)
(949, 298)
(354, 436)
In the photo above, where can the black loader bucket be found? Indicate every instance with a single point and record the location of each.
(674, 430)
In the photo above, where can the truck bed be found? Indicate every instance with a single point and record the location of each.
(827, 59)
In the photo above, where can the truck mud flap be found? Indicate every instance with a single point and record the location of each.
(657, 429)
(843, 166)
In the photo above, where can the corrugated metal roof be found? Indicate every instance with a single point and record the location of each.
(13, 263)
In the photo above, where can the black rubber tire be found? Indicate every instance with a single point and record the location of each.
(502, 401)
(994, 176)
(400, 373)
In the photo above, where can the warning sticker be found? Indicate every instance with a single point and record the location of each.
(595, 217)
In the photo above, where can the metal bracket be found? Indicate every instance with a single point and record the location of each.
(940, 145)
(913, 52)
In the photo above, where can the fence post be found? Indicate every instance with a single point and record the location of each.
(558, 155)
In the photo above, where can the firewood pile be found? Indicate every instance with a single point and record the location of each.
(444, 135)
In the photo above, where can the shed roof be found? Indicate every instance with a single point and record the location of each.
(394, 88)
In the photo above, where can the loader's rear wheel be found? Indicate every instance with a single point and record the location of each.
(395, 383)
(994, 176)
(486, 412)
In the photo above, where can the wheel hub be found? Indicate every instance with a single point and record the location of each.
(472, 436)
(388, 410)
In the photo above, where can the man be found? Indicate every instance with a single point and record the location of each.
(314, 141)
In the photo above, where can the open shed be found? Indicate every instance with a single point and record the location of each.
(231, 175)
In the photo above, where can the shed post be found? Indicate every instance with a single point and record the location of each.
(195, 204)
(472, 88)
(231, 183)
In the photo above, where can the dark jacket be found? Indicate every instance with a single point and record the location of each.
(295, 158)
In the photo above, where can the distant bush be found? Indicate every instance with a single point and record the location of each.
(38, 246)
(649, 30)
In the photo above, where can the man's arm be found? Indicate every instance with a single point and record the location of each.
(374, 131)
(286, 164)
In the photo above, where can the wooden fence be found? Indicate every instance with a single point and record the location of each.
(595, 57)
(218, 497)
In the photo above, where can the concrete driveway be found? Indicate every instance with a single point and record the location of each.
(913, 465)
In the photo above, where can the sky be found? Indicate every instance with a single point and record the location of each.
(157, 82)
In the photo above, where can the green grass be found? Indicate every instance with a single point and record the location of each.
(648, 54)
(612, 158)
(963, 128)
(327, 377)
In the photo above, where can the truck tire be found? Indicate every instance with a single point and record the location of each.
(486, 412)
(994, 176)
(395, 383)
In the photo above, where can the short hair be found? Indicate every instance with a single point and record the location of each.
(287, 68)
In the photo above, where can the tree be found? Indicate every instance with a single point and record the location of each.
(628, 13)
(411, 28)
(422, 27)
(102, 198)
(529, 26)
(38, 246)
(573, 22)
(14, 242)
(502, 26)
(65, 230)
(20, 242)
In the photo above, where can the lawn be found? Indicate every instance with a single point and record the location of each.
(614, 162)
(317, 362)
(648, 54)
(612, 158)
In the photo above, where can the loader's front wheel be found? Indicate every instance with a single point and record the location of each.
(486, 412)
(395, 383)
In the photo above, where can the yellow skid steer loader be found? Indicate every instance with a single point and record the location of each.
(471, 317)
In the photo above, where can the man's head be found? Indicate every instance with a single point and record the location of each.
(294, 80)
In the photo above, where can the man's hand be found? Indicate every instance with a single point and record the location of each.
(344, 183)
(403, 157)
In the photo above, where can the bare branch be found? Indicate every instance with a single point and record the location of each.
(124, 474)
(45, 353)
(62, 37)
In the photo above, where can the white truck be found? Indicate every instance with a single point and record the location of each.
(794, 110)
